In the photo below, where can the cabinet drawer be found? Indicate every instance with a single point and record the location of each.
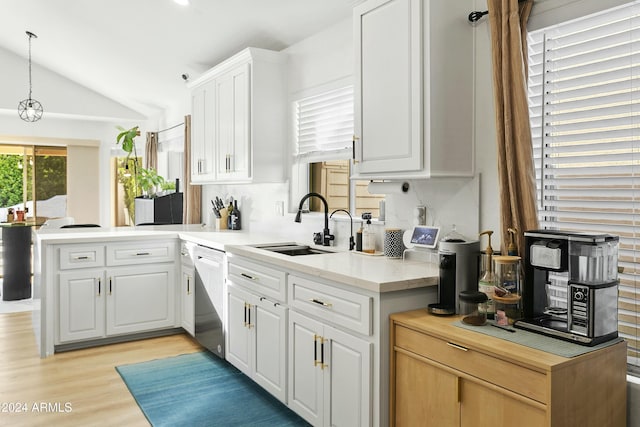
(258, 278)
(505, 374)
(81, 256)
(140, 253)
(338, 306)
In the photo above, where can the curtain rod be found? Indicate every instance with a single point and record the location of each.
(477, 15)
(169, 128)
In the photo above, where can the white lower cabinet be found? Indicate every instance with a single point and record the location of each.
(101, 303)
(329, 374)
(187, 295)
(257, 339)
(140, 298)
(81, 301)
(131, 294)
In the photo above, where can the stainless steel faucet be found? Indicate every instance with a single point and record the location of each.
(326, 236)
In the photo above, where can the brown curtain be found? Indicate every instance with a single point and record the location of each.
(192, 193)
(151, 151)
(516, 172)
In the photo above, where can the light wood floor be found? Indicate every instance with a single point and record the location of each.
(84, 381)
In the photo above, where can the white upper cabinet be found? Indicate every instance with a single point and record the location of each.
(239, 120)
(233, 146)
(203, 133)
(414, 89)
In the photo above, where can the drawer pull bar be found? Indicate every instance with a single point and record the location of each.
(143, 253)
(315, 350)
(322, 364)
(248, 276)
(245, 314)
(79, 258)
(459, 347)
(99, 286)
(322, 303)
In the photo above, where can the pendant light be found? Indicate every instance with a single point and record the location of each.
(29, 109)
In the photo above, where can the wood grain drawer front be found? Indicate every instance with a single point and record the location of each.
(262, 280)
(518, 379)
(338, 306)
(80, 256)
(141, 253)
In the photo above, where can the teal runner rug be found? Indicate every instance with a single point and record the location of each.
(199, 389)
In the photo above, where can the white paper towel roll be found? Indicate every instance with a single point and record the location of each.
(388, 187)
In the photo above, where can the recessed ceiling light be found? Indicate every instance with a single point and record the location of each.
(182, 2)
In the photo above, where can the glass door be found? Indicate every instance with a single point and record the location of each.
(33, 182)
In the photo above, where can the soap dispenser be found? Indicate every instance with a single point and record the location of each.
(368, 236)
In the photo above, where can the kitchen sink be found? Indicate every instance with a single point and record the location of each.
(293, 249)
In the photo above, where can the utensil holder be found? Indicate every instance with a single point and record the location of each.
(393, 245)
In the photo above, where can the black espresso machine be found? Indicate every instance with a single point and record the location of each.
(571, 285)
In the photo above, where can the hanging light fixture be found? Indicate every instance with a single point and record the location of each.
(29, 109)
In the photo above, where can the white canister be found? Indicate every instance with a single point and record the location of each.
(393, 245)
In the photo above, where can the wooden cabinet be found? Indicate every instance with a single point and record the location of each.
(329, 374)
(413, 91)
(239, 120)
(119, 298)
(448, 376)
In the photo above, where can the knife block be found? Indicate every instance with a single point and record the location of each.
(221, 223)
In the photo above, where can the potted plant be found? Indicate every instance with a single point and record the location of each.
(149, 182)
(128, 171)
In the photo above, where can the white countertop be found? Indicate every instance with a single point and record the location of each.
(373, 273)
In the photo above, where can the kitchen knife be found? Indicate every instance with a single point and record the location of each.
(216, 212)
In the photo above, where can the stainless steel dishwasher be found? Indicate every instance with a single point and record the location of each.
(209, 299)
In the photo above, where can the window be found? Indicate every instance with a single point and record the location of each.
(323, 125)
(584, 93)
(27, 170)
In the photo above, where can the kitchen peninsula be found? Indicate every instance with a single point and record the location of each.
(84, 277)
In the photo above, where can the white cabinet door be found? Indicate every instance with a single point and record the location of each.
(348, 396)
(140, 298)
(233, 125)
(81, 303)
(305, 375)
(270, 361)
(329, 374)
(203, 133)
(187, 299)
(257, 339)
(239, 334)
(388, 90)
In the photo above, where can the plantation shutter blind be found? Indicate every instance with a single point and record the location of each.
(584, 81)
(324, 125)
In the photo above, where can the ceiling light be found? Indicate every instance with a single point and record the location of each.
(182, 2)
(29, 109)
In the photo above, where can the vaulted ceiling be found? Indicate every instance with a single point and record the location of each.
(135, 51)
